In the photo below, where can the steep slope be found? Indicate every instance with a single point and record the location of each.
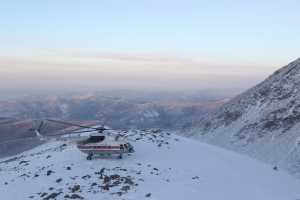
(263, 122)
(164, 166)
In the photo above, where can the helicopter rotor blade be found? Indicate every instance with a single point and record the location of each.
(37, 130)
(19, 139)
(87, 131)
(42, 124)
(72, 124)
(69, 133)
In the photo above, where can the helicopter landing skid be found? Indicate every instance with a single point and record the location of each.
(90, 156)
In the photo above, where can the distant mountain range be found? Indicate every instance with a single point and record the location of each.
(112, 111)
(263, 122)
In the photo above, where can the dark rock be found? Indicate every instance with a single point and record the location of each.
(93, 184)
(128, 181)
(73, 196)
(75, 188)
(117, 193)
(148, 195)
(114, 176)
(49, 172)
(106, 179)
(116, 183)
(74, 177)
(105, 187)
(23, 162)
(156, 131)
(86, 177)
(230, 116)
(58, 180)
(125, 188)
(101, 172)
(52, 196)
(25, 175)
(44, 194)
(68, 168)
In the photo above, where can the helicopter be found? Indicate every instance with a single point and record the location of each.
(100, 144)
(96, 144)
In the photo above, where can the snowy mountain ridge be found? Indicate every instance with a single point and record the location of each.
(164, 166)
(263, 122)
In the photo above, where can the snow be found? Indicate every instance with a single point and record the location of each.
(164, 166)
(262, 122)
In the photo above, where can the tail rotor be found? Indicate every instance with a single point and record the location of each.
(38, 130)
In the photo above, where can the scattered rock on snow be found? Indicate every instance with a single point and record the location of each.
(148, 195)
(52, 196)
(73, 196)
(86, 177)
(49, 172)
(58, 180)
(24, 162)
(75, 188)
(125, 188)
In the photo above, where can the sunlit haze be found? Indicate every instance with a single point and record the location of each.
(155, 45)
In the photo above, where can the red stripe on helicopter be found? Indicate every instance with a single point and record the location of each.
(100, 149)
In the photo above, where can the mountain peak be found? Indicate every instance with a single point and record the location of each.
(263, 122)
(290, 68)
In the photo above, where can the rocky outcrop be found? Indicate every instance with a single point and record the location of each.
(263, 122)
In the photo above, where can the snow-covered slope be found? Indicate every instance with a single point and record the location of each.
(164, 166)
(263, 122)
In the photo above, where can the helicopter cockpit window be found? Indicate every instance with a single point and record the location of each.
(94, 139)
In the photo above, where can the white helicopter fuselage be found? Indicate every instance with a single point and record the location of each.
(101, 145)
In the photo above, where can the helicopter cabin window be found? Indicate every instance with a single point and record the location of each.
(95, 139)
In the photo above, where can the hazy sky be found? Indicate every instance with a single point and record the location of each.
(145, 44)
